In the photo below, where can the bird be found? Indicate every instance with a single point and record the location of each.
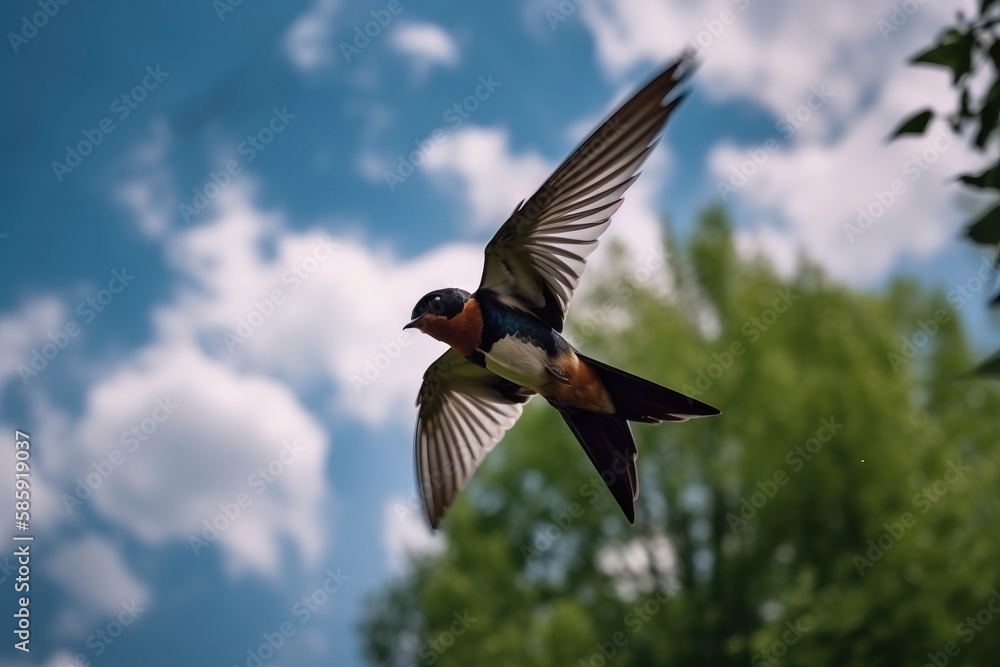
(505, 339)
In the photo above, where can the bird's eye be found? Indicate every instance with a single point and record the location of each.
(437, 298)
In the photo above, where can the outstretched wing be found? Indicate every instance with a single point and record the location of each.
(538, 255)
(464, 411)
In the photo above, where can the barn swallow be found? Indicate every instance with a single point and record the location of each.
(505, 338)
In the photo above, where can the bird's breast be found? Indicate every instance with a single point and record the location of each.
(519, 360)
(563, 378)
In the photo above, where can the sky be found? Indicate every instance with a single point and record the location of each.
(216, 217)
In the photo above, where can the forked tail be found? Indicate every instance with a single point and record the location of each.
(640, 400)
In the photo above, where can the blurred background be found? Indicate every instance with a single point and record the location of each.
(217, 216)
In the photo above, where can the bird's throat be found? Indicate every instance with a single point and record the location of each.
(463, 332)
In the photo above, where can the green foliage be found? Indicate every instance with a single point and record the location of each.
(970, 48)
(991, 365)
(987, 228)
(842, 509)
(915, 124)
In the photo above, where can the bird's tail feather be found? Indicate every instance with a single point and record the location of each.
(609, 444)
(640, 400)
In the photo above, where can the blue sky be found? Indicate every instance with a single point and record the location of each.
(212, 237)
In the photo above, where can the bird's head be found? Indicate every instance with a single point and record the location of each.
(442, 303)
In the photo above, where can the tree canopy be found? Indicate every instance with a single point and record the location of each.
(842, 510)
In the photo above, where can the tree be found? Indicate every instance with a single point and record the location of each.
(968, 49)
(842, 510)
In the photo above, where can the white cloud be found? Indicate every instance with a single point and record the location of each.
(405, 532)
(99, 583)
(425, 45)
(860, 205)
(25, 331)
(492, 179)
(207, 434)
(149, 193)
(31, 336)
(58, 659)
(341, 306)
(309, 42)
(340, 312)
(834, 198)
(837, 160)
(242, 334)
(763, 51)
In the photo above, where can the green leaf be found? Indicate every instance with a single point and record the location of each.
(989, 367)
(989, 115)
(915, 124)
(965, 106)
(987, 228)
(954, 51)
(995, 53)
(988, 179)
(988, 119)
(994, 94)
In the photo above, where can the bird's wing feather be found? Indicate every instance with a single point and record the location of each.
(464, 410)
(539, 253)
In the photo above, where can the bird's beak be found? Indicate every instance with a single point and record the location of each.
(412, 323)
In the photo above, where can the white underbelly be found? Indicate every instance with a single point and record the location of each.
(519, 361)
